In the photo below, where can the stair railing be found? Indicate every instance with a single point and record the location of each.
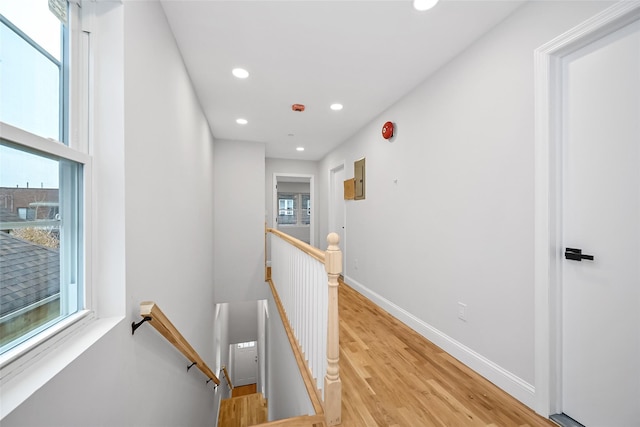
(304, 282)
(150, 312)
(224, 372)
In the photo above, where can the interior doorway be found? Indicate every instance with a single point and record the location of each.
(245, 363)
(294, 206)
(588, 222)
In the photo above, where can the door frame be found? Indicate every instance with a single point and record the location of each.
(548, 196)
(331, 212)
(312, 197)
(234, 350)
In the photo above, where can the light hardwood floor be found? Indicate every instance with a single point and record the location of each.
(392, 376)
(243, 411)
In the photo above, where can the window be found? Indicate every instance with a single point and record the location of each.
(32, 78)
(294, 209)
(41, 180)
(305, 212)
(249, 344)
(286, 206)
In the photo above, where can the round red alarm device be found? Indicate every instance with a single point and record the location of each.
(387, 130)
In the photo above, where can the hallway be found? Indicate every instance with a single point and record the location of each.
(392, 376)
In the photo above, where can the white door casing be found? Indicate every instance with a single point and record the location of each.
(337, 221)
(549, 243)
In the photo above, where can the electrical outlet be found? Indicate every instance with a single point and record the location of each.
(355, 263)
(462, 311)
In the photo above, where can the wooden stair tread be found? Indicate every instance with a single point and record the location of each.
(243, 390)
(243, 411)
(301, 421)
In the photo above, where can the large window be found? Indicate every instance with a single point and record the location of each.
(42, 176)
(294, 209)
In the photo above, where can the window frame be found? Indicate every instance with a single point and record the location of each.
(32, 142)
(297, 209)
(105, 293)
(247, 344)
(75, 77)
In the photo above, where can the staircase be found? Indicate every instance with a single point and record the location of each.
(243, 411)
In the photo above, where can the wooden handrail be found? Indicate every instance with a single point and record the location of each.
(305, 247)
(227, 377)
(152, 313)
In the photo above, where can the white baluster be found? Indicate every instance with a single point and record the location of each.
(312, 311)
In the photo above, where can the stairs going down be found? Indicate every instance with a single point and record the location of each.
(243, 411)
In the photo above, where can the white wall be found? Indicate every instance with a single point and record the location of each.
(293, 187)
(300, 233)
(458, 225)
(243, 322)
(157, 169)
(238, 193)
(286, 393)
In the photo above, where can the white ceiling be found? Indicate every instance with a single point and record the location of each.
(363, 54)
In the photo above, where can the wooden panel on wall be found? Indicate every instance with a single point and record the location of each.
(350, 189)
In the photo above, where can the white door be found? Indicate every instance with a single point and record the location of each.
(336, 201)
(245, 364)
(601, 216)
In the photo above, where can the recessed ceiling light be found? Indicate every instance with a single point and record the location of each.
(423, 5)
(336, 107)
(300, 149)
(241, 121)
(240, 73)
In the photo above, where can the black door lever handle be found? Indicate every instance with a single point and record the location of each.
(576, 255)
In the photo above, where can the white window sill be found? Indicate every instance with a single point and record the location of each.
(23, 374)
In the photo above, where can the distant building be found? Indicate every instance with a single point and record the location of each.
(27, 204)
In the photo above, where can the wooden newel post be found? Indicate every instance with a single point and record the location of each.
(332, 383)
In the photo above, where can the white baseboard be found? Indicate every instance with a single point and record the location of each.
(510, 383)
